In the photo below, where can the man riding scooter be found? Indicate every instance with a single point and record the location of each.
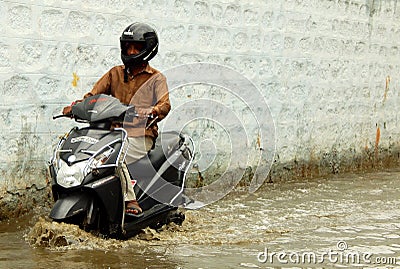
(138, 84)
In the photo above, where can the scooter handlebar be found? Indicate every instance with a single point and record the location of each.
(150, 116)
(62, 116)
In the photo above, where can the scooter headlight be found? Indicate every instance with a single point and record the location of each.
(71, 176)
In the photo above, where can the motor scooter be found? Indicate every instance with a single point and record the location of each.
(85, 184)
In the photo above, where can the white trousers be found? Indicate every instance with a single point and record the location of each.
(137, 148)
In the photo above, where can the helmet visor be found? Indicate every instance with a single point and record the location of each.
(132, 48)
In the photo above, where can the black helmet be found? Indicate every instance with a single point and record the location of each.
(143, 33)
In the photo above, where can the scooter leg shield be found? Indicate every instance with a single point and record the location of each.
(70, 206)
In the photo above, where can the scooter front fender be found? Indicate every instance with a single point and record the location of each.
(70, 206)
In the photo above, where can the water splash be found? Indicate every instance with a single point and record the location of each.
(229, 216)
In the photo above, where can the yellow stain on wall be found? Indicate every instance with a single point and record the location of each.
(75, 79)
(386, 88)
(258, 141)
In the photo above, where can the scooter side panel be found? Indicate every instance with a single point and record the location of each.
(164, 188)
(108, 191)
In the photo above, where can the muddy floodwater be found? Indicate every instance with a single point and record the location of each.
(345, 221)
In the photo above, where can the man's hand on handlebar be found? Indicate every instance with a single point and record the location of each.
(147, 114)
(68, 109)
(144, 113)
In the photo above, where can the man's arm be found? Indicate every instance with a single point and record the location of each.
(163, 105)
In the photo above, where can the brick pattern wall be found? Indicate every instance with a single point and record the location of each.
(327, 68)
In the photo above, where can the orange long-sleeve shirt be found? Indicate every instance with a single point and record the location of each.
(146, 88)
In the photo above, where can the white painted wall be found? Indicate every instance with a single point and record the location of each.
(329, 70)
